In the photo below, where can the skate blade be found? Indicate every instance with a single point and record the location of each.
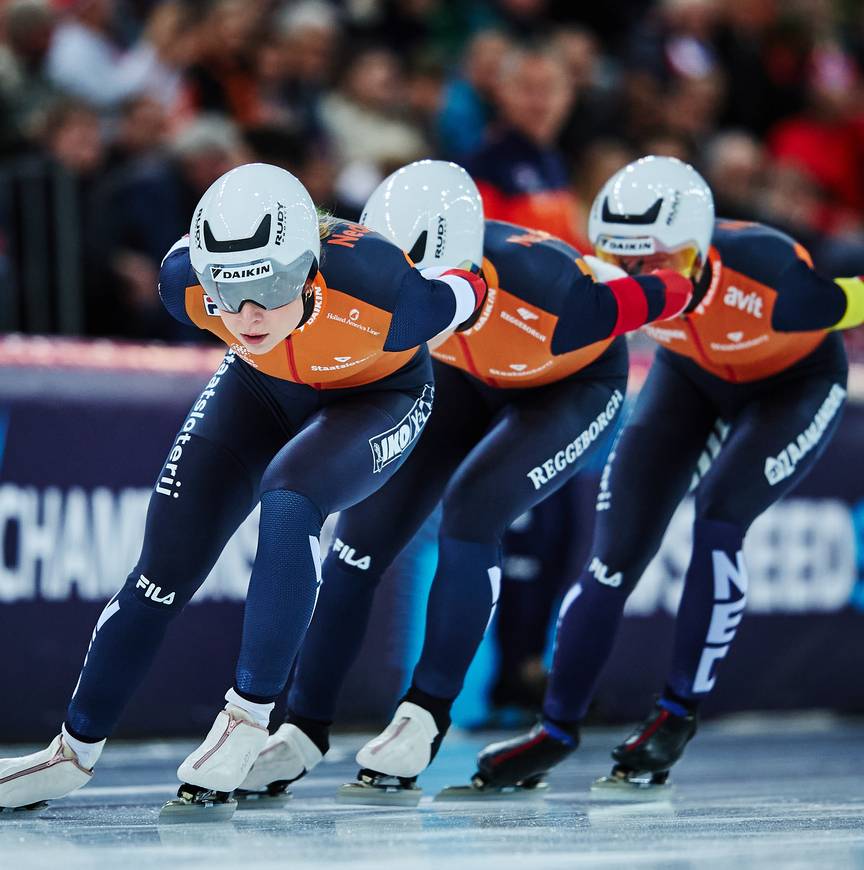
(510, 792)
(261, 800)
(613, 788)
(22, 812)
(378, 795)
(182, 811)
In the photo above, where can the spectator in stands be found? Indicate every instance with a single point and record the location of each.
(296, 65)
(224, 79)
(25, 91)
(468, 99)
(85, 60)
(735, 164)
(367, 125)
(140, 211)
(827, 140)
(520, 173)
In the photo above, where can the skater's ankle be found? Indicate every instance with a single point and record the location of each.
(86, 749)
(258, 709)
(317, 730)
(564, 732)
(677, 704)
(438, 707)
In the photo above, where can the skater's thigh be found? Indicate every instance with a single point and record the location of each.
(207, 486)
(382, 525)
(350, 448)
(536, 443)
(649, 470)
(774, 442)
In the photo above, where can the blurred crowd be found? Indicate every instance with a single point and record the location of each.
(115, 115)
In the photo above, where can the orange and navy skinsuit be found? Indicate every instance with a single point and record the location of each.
(310, 428)
(369, 315)
(738, 407)
(761, 285)
(545, 317)
(523, 395)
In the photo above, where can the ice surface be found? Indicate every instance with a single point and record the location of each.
(751, 792)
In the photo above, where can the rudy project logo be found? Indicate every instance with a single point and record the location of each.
(395, 441)
(238, 274)
(441, 237)
(280, 223)
(778, 468)
(210, 306)
(626, 247)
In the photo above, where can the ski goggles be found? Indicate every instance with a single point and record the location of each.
(266, 282)
(639, 254)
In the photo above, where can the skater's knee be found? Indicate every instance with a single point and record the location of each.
(160, 590)
(285, 511)
(716, 505)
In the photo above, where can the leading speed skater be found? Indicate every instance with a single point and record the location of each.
(323, 392)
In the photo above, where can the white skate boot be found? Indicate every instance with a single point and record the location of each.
(391, 762)
(287, 756)
(216, 768)
(26, 783)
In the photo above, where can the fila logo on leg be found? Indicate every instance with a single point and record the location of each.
(154, 592)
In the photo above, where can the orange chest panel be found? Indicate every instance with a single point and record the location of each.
(729, 334)
(510, 346)
(340, 345)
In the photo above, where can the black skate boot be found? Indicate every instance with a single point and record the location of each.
(644, 759)
(517, 768)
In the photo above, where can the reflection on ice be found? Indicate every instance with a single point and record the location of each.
(763, 795)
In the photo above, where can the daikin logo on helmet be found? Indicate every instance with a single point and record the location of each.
(626, 247)
(237, 274)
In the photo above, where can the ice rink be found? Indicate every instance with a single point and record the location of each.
(751, 792)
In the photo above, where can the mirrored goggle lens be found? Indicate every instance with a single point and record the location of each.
(264, 282)
(683, 260)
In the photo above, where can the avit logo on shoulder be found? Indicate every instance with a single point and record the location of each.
(236, 274)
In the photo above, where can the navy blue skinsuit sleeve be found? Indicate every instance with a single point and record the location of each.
(175, 276)
(423, 309)
(806, 300)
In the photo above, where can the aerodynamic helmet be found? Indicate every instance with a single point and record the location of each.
(433, 211)
(254, 237)
(655, 205)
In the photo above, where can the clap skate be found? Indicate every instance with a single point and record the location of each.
(288, 755)
(215, 769)
(27, 783)
(645, 758)
(391, 762)
(516, 768)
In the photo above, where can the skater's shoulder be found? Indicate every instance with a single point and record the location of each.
(530, 263)
(756, 250)
(175, 276)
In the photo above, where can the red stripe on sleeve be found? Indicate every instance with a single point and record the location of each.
(632, 305)
(679, 292)
(475, 282)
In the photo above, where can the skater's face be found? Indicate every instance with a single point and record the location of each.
(260, 329)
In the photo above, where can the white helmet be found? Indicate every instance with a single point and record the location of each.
(433, 211)
(254, 236)
(655, 205)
